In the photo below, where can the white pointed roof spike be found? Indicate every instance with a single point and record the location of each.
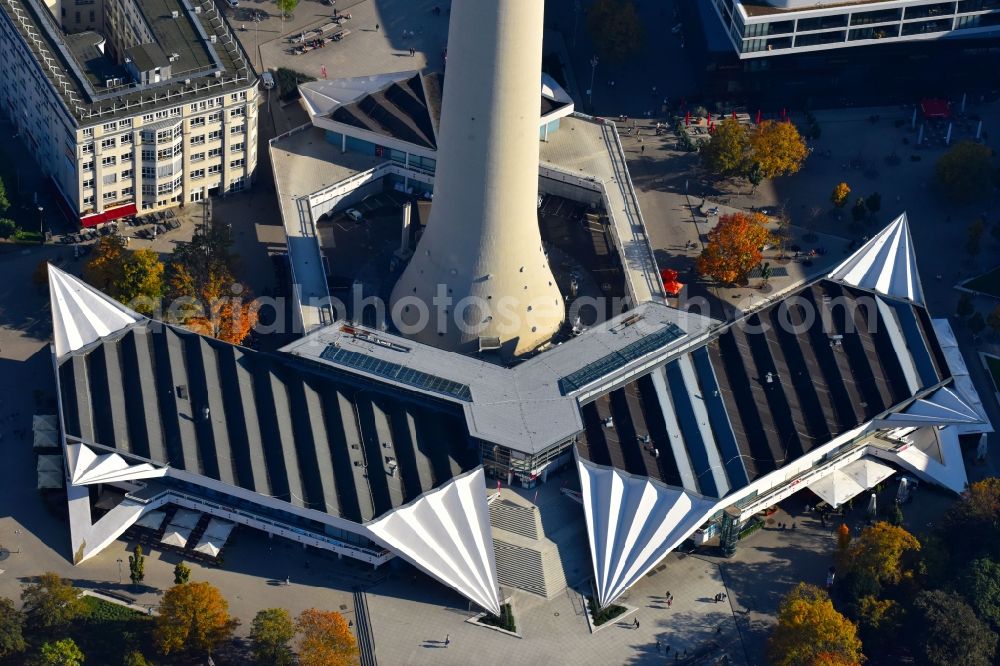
(81, 314)
(944, 406)
(885, 264)
(632, 523)
(446, 534)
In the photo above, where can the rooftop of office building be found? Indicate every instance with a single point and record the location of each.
(191, 36)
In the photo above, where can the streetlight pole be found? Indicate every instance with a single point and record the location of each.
(119, 571)
(590, 93)
(41, 222)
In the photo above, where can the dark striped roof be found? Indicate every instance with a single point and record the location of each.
(275, 424)
(714, 423)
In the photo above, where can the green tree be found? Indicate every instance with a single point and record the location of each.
(978, 513)
(809, 628)
(287, 6)
(140, 283)
(947, 631)
(980, 583)
(882, 554)
(270, 633)
(726, 153)
(11, 629)
(193, 617)
(60, 653)
(7, 228)
(135, 658)
(965, 172)
(615, 27)
(755, 174)
(51, 602)
(4, 200)
(182, 573)
(137, 566)
(896, 514)
(860, 210)
(105, 266)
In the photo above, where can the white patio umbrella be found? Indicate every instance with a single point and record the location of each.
(872, 507)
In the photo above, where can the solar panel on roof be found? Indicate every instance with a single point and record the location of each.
(619, 359)
(396, 372)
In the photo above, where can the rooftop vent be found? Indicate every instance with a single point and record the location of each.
(197, 10)
(213, 38)
(175, 14)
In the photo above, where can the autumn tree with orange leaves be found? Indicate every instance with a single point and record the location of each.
(734, 247)
(326, 639)
(811, 632)
(203, 294)
(194, 617)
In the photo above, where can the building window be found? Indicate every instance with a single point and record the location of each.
(87, 148)
(87, 166)
(215, 168)
(197, 157)
(148, 172)
(237, 147)
(88, 200)
(149, 155)
(126, 174)
(89, 183)
(236, 164)
(238, 111)
(198, 140)
(110, 160)
(108, 144)
(126, 139)
(127, 157)
(88, 132)
(237, 129)
(236, 97)
(236, 185)
(197, 173)
(148, 118)
(214, 152)
(125, 124)
(198, 122)
(109, 196)
(110, 127)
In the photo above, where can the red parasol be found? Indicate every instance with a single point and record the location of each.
(687, 119)
(734, 115)
(758, 116)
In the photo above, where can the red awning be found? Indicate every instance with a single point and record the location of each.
(935, 108)
(108, 215)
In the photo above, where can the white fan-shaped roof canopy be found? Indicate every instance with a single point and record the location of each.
(633, 522)
(446, 534)
(81, 314)
(885, 264)
(943, 407)
(87, 467)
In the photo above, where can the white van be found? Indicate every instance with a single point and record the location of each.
(268, 79)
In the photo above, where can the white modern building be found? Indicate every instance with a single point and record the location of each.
(129, 105)
(762, 28)
(372, 446)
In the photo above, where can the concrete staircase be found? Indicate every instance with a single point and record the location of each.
(527, 557)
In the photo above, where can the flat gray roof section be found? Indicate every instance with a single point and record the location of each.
(147, 56)
(530, 406)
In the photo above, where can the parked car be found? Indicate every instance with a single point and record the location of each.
(354, 214)
(233, 3)
(268, 80)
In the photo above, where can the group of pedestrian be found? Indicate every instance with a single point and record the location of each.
(669, 598)
(721, 596)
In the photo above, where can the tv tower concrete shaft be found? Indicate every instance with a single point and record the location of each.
(480, 270)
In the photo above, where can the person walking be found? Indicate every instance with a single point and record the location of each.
(670, 602)
(635, 623)
(642, 149)
(447, 640)
(376, 27)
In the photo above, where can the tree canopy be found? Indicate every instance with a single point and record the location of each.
(63, 652)
(182, 573)
(194, 617)
(11, 629)
(728, 151)
(270, 634)
(947, 631)
(326, 639)
(615, 27)
(965, 172)
(140, 283)
(839, 195)
(778, 148)
(51, 602)
(977, 513)
(4, 199)
(879, 554)
(105, 266)
(980, 583)
(811, 631)
(734, 247)
(137, 566)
